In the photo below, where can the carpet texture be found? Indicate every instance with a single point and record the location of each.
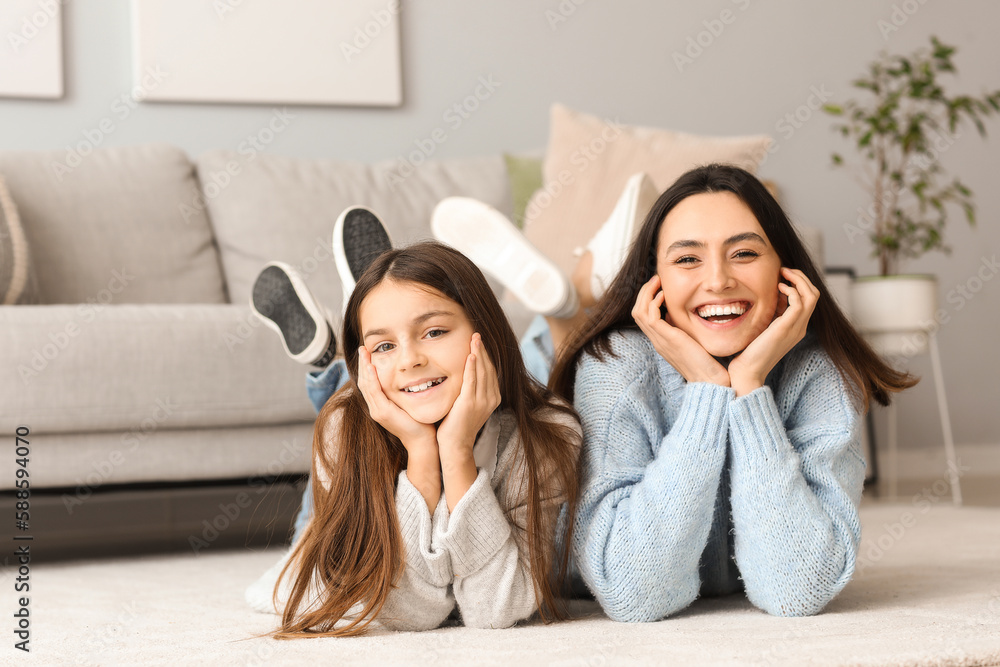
(927, 592)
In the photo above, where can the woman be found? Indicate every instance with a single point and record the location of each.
(721, 393)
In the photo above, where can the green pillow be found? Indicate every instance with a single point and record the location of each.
(525, 175)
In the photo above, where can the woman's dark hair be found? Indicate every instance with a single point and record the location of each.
(868, 376)
(352, 549)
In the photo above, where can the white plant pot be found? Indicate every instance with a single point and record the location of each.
(895, 313)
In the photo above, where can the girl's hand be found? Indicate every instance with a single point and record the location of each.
(479, 397)
(414, 435)
(750, 368)
(681, 351)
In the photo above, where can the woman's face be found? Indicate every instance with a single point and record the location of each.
(719, 272)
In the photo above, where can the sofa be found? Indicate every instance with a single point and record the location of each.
(133, 360)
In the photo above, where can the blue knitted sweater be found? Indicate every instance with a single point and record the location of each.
(688, 490)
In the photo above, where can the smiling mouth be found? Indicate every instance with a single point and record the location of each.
(725, 313)
(418, 388)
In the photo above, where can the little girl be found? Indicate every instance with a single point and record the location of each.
(439, 470)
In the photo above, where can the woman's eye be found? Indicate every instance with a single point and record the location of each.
(686, 260)
(436, 333)
(382, 347)
(746, 254)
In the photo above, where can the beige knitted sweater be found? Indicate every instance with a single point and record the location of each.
(474, 557)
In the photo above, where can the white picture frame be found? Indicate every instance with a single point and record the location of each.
(31, 58)
(322, 52)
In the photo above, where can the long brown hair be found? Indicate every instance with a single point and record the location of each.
(863, 370)
(352, 550)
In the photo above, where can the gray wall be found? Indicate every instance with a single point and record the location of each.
(616, 59)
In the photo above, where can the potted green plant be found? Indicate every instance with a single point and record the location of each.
(900, 129)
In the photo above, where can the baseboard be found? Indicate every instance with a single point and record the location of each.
(979, 460)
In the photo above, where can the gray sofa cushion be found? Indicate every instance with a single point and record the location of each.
(267, 208)
(137, 368)
(112, 226)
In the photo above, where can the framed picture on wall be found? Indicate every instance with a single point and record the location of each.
(337, 52)
(31, 60)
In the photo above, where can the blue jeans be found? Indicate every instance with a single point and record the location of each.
(536, 348)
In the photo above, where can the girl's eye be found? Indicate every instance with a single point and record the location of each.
(687, 259)
(382, 347)
(436, 333)
(746, 254)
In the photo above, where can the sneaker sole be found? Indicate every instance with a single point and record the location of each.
(359, 237)
(280, 299)
(495, 245)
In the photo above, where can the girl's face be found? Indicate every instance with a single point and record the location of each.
(719, 272)
(419, 340)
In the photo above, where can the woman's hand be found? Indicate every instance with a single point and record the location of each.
(796, 303)
(681, 351)
(456, 434)
(390, 416)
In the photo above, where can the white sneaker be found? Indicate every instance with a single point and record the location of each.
(495, 245)
(612, 241)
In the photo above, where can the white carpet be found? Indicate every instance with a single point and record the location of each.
(926, 594)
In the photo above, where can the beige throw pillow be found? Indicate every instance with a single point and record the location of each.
(17, 284)
(589, 160)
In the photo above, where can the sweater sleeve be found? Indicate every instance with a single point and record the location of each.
(796, 485)
(493, 582)
(421, 599)
(649, 487)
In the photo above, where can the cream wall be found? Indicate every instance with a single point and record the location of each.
(768, 62)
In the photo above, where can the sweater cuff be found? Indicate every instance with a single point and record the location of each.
(756, 427)
(476, 529)
(415, 524)
(702, 417)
